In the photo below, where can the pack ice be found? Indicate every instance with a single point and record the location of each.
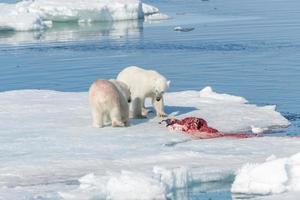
(39, 14)
(50, 151)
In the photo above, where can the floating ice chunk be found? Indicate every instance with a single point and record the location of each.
(114, 30)
(272, 177)
(182, 29)
(266, 178)
(31, 14)
(293, 169)
(87, 10)
(16, 17)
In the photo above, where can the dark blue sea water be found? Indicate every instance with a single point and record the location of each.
(249, 48)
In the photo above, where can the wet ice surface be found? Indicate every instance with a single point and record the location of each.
(240, 48)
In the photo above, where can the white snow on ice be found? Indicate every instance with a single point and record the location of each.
(271, 177)
(126, 185)
(228, 113)
(39, 14)
(48, 148)
(16, 17)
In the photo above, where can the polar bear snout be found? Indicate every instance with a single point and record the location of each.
(129, 100)
(158, 95)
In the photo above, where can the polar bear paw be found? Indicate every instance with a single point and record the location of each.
(96, 125)
(118, 124)
(145, 111)
(162, 114)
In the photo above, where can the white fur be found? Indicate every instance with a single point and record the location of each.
(109, 103)
(143, 84)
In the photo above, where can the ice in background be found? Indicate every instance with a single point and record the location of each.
(237, 47)
(41, 14)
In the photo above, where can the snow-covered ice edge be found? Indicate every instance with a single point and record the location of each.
(40, 14)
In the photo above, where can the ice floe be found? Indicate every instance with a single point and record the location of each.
(17, 17)
(271, 177)
(39, 14)
(49, 149)
(61, 32)
(183, 29)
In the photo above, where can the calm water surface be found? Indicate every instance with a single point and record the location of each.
(249, 48)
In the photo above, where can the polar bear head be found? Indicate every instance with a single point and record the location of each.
(160, 87)
(123, 89)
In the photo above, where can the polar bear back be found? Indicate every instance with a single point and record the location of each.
(123, 88)
(141, 81)
(105, 94)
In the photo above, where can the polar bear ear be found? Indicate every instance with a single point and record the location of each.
(168, 83)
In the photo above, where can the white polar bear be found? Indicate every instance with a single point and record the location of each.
(142, 84)
(109, 103)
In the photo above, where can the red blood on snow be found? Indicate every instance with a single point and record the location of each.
(198, 128)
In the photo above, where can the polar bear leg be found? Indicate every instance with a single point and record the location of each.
(97, 116)
(115, 116)
(145, 111)
(106, 119)
(159, 107)
(116, 123)
(136, 108)
(126, 123)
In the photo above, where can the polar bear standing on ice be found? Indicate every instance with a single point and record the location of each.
(109, 103)
(144, 83)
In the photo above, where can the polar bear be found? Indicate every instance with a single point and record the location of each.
(144, 83)
(109, 103)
